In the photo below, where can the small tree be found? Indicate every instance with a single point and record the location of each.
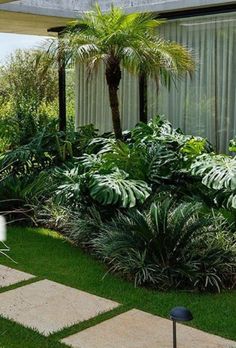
(124, 40)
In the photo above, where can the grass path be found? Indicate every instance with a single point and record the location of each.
(46, 255)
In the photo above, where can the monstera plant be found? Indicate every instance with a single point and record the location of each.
(217, 172)
(117, 188)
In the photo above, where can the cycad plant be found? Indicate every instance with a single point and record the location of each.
(128, 41)
(169, 246)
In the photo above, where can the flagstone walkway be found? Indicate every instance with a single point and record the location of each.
(49, 307)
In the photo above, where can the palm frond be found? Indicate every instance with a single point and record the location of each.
(132, 39)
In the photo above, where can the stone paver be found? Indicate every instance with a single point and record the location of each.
(10, 276)
(48, 306)
(137, 329)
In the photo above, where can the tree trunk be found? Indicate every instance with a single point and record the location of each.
(114, 104)
(62, 86)
(113, 77)
(143, 117)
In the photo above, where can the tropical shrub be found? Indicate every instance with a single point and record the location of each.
(115, 199)
(169, 246)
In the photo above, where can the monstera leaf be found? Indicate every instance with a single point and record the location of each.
(71, 181)
(163, 163)
(155, 128)
(91, 162)
(217, 171)
(116, 188)
(129, 158)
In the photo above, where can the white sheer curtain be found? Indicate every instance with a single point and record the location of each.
(92, 101)
(206, 104)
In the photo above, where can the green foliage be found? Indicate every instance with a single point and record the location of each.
(83, 228)
(162, 163)
(128, 38)
(169, 246)
(217, 172)
(28, 86)
(193, 148)
(232, 145)
(131, 159)
(169, 151)
(159, 130)
(70, 181)
(29, 97)
(119, 40)
(105, 195)
(42, 152)
(117, 188)
(29, 77)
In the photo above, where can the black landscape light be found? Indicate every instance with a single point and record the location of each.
(179, 314)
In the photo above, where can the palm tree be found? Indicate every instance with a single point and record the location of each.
(128, 41)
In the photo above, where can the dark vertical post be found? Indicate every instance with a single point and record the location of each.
(143, 97)
(61, 85)
(174, 335)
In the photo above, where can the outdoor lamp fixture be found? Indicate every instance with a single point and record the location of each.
(179, 314)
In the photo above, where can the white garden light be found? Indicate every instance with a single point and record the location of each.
(3, 229)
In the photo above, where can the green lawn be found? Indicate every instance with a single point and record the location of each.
(46, 255)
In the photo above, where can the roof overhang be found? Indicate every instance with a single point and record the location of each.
(175, 5)
(29, 24)
(28, 17)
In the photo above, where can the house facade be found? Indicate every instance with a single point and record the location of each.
(202, 105)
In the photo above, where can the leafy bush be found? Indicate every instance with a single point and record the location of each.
(29, 85)
(169, 246)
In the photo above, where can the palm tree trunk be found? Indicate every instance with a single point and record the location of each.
(114, 104)
(113, 77)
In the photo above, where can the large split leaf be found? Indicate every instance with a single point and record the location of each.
(116, 188)
(217, 171)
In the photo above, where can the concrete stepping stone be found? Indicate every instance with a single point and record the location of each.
(10, 276)
(48, 306)
(137, 329)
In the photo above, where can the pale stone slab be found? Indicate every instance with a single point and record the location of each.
(137, 329)
(48, 307)
(10, 276)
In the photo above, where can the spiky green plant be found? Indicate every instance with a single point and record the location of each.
(169, 246)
